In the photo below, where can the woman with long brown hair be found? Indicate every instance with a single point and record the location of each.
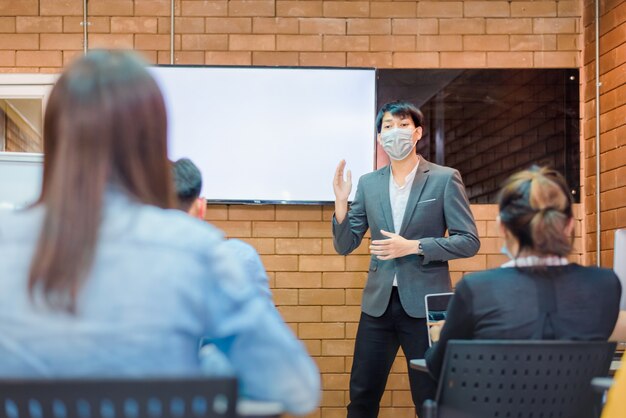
(538, 294)
(100, 279)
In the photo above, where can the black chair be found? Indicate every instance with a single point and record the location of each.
(119, 398)
(520, 379)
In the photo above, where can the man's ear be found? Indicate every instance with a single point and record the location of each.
(569, 227)
(200, 208)
(417, 134)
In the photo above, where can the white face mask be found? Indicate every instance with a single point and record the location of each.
(397, 142)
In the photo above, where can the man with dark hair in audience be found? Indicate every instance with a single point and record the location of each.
(188, 184)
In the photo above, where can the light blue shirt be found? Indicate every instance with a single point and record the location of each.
(251, 263)
(160, 281)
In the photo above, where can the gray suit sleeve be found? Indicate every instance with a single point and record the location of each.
(347, 235)
(462, 240)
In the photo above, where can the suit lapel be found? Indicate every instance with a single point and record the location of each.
(385, 200)
(421, 176)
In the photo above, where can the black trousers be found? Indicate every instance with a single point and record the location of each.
(376, 347)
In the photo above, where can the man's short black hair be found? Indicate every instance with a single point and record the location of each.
(400, 108)
(188, 182)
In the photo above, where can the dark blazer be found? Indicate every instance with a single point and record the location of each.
(569, 302)
(437, 204)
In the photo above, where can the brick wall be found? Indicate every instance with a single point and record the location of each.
(612, 126)
(317, 291)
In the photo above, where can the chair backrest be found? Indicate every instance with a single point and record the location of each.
(119, 398)
(521, 379)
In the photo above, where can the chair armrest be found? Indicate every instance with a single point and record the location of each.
(429, 409)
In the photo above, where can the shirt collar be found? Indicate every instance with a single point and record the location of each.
(533, 260)
(409, 177)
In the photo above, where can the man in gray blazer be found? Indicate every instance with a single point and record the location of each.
(409, 206)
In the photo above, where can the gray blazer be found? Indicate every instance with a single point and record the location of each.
(437, 203)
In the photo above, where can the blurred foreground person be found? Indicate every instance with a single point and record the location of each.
(100, 279)
(538, 294)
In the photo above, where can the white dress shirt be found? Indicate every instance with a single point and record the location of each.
(399, 197)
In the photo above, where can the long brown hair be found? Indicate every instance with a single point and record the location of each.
(105, 124)
(536, 206)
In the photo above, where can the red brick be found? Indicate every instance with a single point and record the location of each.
(509, 26)
(346, 9)
(461, 26)
(322, 297)
(556, 59)
(228, 25)
(296, 8)
(370, 59)
(228, 58)
(323, 59)
(299, 42)
(414, 26)
(202, 42)
(73, 24)
(274, 25)
(18, 7)
(251, 212)
(463, 59)
(298, 280)
(61, 41)
(392, 43)
(298, 213)
(7, 25)
(509, 59)
(153, 42)
(345, 43)
(486, 9)
(274, 58)
(322, 330)
(205, 8)
(315, 229)
(252, 42)
(251, 8)
(533, 42)
(19, 41)
(7, 58)
(301, 313)
(415, 60)
(39, 24)
(568, 42)
(369, 26)
(439, 43)
(183, 25)
(183, 57)
(298, 246)
(328, 26)
(486, 43)
(396, 9)
(155, 8)
(280, 262)
(440, 9)
(134, 25)
(533, 8)
(38, 59)
(554, 25)
(569, 8)
(234, 229)
(115, 41)
(110, 8)
(275, 229)
(344, 280)
(322, 263)
(341, 313)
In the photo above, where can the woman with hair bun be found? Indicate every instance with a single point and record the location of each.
(538, 294)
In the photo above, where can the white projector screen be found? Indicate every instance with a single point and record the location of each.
(270, 135)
